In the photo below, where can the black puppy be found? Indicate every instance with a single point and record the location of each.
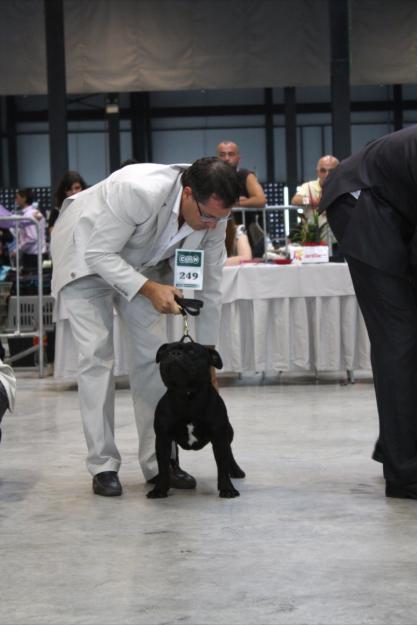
(192, 413)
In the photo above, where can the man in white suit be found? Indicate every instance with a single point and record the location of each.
(7, 389)
(113, 246)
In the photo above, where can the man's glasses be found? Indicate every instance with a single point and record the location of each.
(210, 218)
(323, 170)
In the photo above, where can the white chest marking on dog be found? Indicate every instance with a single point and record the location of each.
(191, 438)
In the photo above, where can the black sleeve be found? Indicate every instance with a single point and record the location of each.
(53, 217)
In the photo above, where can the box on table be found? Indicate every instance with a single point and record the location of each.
(309, 253)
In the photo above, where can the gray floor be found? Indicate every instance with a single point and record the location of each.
(311, 540)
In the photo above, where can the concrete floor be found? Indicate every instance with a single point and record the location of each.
(311, 540)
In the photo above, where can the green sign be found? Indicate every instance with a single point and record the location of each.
(189, 258)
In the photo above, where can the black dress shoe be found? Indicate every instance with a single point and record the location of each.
(407, 491)
(107, 484)
(177, 477)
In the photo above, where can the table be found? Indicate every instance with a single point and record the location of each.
(274, 318)
(291, 318)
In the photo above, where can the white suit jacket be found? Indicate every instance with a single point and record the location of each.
(8, 379)
(112, 229)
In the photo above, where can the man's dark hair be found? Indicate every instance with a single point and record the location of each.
(210, 175)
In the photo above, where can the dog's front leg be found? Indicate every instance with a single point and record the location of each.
(221, 450)
(234, 468)
(163, 454)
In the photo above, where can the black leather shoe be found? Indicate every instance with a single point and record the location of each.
(378, 454)
(177, 477)
(107, 484)
(407, 491)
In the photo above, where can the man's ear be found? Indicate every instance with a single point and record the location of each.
(188, 192)
(161, 351)
(214, 358)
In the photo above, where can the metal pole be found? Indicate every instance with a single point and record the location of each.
(57, 97)
(17, 269)
(269, 135)
(340, 76)
(113, 127)
(40, 301)
(11, 140)
(291, 138)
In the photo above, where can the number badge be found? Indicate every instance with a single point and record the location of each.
(189, 265)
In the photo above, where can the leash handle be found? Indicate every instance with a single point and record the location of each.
(189, 306)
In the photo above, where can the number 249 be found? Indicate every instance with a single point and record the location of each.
(188, 275)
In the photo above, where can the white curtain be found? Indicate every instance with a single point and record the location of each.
(136, 45)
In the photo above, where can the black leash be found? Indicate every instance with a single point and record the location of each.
(188, 307)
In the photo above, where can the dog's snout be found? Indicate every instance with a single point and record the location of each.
(175, 354)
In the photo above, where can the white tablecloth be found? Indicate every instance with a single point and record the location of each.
(274, 318)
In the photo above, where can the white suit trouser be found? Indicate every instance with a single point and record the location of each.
(89, 302)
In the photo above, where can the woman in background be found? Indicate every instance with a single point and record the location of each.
(28, 232)
(71, 183)
(237, 244)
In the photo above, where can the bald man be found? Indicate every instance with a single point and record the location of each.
(309, 194)
(251, 192)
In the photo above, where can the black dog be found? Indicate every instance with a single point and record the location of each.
(192, 413)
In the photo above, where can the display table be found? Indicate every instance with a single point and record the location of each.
(274, 318)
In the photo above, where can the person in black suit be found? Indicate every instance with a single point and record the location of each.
(371, 205)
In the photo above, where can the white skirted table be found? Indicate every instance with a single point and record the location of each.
(274, 318)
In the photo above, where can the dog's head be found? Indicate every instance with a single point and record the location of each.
(185, 367)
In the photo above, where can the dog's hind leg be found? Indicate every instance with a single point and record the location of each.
(222, 457)
(234, 468)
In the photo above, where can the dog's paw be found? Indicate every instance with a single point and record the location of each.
(157, 493)
(229, 492)
(237, 472)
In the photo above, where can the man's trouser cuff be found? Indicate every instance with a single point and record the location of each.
(4, 402)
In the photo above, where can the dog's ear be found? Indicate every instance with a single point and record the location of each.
(214, 358)
(160, 351)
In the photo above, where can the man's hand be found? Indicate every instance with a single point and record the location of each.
(162, 297)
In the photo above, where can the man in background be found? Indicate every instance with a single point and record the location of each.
(251, 192)
(309, 194)
(251, 195)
